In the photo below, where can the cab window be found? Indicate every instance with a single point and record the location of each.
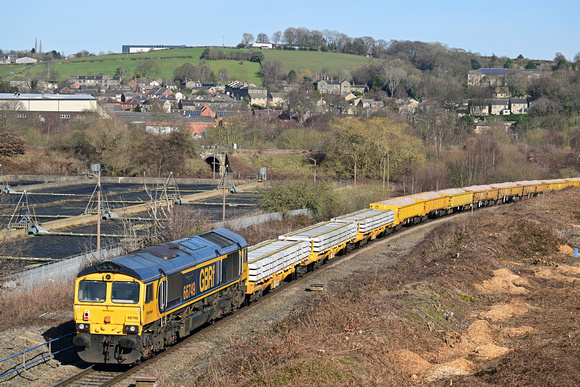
(148, 293)
(92, 291)
(125, 292)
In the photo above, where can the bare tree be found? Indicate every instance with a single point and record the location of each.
(262, 37)
(330, 37)
(343, 75)
(223, 76)
(50, 73)
(271, 70)
(122, 72)
(203, 71)
(276, 37)
(392, 77)
(7, 114)
(317, 39)
(288, 36)
(577, 59)
(302, 37)
(148, 68)
(247, 38)
(517, 84)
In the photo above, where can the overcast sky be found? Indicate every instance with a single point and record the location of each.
(536, 29)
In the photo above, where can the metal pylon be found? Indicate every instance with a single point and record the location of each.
(23, 216)
(171, 192)
(227, 181)
(92, 205)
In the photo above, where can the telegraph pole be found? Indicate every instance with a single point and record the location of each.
(224, 203)
(99, 211)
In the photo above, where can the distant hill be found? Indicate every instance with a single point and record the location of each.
(169, 60)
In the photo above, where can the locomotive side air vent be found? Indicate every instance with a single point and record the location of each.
(218, 239)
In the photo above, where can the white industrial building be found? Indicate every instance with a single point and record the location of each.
(49, 106)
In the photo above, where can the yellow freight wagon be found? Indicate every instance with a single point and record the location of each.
(574, 180)
(542, 187)
(507, 190)
(370, 223)
(555, 184)
(435, 204)
(270, 262)
(459, 199)
(530, 187)
(406, 209)
(482, 194)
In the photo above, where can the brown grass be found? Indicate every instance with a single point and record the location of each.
(42, 305)
(414, 321)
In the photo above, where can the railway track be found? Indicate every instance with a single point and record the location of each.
(92, 376)
(107, 375)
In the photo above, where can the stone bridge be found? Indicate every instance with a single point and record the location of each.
(218, 161)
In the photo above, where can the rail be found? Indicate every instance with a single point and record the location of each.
(73, 377)
(23, 365)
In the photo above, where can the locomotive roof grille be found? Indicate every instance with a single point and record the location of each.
(159, 251)
(218, 239)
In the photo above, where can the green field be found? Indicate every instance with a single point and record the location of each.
(316, 61)
(169, 60)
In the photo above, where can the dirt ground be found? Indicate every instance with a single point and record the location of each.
(489, 298)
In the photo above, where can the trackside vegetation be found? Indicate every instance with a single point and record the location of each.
(442, 314)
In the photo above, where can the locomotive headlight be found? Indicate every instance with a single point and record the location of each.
(131, 328)
(83, 327)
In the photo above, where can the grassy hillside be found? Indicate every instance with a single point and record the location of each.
(293, 60)
(169, 60)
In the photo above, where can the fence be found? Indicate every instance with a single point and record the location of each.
(67, 269)
(60, 271)
(13, 363)
(237, 224)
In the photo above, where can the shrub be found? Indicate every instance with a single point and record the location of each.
(11, 144)
(319, 198)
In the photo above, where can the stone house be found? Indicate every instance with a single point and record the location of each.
(518, 105)
(499, 107)
(276, 100)
(333, 87)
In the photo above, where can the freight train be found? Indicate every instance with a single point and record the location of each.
(130, 307)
